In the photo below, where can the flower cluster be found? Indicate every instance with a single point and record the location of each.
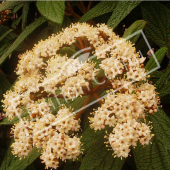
(51, 133)
(127, 134)
(123, 112)
(43, 72)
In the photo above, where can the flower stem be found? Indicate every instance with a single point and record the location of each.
(95, 95)
(85, 103)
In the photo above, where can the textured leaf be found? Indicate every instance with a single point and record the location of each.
(5, 34)
(5, 47)
(136, 26)
(70, 165)
(12, 163)
(8, 158)
(75, 104)
(16, 22)
(156, 74)
(23, 163)
(89, 138)
(28, 30)
(8, 37)
(158, 19)
(31, 167)
(25, 14)
(122, 9)
(98, 157)
(52, 10)
(9, 4)
(6, 121)
(155, 156)
(163, 83)
(70, 51)
(100, 9)
(16, 8)
(151, 64)
(46, 32)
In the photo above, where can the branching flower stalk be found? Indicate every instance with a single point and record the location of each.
(44, 74)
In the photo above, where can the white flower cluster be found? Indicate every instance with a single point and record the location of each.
(51, 133)
(123, 111)
(127, 134)
(44, 73)
(23, 138)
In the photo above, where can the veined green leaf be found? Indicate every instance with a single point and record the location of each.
(70, 51)
(8, 157)
(25, 14)
(163, 83)
(155, 156)
(28, 30)
(16, 8)
(156, 74)
(136, 26)
(151, 64)
(158, 19)
(6, 121)
(5, 47)
(16, 22)
(100, 9)
(9, 4)
(98, 157)
(12, 163)
(89, 138)
(31, 167)
(5, 34)
(70, 165)
(122, 9)
(8, 37)
(52, 10)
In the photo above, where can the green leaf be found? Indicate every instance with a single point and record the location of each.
(28, 30)
(151, 64)
(8, 37)
(52, 10)
(70, 51)
(9, 4)
(75, 104)
(70, 165)
(31, 167)
(23, 163)
(156, 74)
(89, 138)
(16, 22)
(155, 156)
(121, 11)
(163, 83)
(16, 119)
(46, 32)
(16, 8)
(5, 47)
(136, 26)
(98, 157)
(8, 158)
(12, 163)
(100, 9)
(25, 14)
(5, 34)
(158, 19)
